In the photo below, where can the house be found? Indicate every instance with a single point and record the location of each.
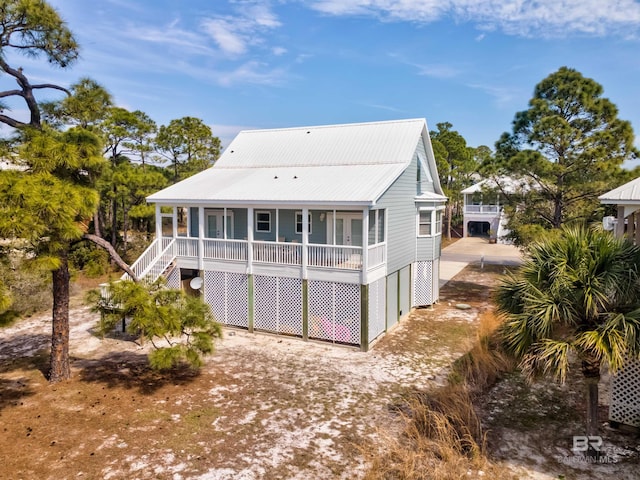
(625, 385)
(483, 213)
(328, 232)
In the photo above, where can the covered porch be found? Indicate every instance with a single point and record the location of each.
(256, 239)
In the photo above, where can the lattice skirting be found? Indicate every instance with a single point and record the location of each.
(625, 395)
(423, 283)
(377, 308)
(228, 296)
(173, 279)
(334, 311)
(278, 304)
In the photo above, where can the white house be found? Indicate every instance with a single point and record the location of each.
(483, 213)
(625, 386)
(328, 232)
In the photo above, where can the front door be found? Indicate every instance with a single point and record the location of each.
(216, 225)
(348, 229)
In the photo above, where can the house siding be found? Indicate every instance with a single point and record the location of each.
(428, 248)
(401, 214)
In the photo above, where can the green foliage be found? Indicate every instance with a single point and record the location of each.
(568, 147)
(86, 105)
(26, 283)
(183, 323)
(34, 28)
(189, 145)
(92, 260)
(577, 293)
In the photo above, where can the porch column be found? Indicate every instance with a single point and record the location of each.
(365, 244)
(174, 222)
(250, 240)
(200, 238)
(158, 229)
(305, 241)
(620, 225)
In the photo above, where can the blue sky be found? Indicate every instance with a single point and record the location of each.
(277, 63)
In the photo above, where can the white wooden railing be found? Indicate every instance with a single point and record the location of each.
(377, 255)
(283, 253)
(481, 208)
(151, 265)
(335, 256)
(215, 249)
(186, 247)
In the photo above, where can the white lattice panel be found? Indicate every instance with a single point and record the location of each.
(278, 304)
(625, 395)
(334, 311)
(237, 299)
(290, 306)
(423, 283)
(228, 296)
(377, 320)
(173, 278)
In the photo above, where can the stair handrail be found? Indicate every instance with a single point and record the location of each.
(169, 249)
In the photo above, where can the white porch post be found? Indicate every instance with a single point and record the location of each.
(365, 244)
(277, 224)
(305, 241)
(250, 240)
(175, 222)
(201, 238)
(158, 229)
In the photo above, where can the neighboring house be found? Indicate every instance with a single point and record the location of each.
(483, 214)
(625, 386)
(330, 232)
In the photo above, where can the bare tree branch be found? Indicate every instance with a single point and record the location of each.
(101, 242)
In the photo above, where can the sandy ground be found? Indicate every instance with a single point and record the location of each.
(262, 407)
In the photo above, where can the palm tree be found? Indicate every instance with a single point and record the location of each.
(577, 296)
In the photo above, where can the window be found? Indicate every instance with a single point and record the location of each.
(263, 221)
(424, 223)
(299, 223)
(429, 223)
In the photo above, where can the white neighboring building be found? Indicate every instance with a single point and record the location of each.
(625, 386)
(483, 212)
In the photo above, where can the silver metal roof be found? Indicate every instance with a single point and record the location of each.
(627, 193)
(351, 163)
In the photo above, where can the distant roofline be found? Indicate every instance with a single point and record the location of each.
(379, 122)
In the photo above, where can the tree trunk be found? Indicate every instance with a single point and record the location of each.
(449, 212)
(114, 218)
(96, 224)
(112, 253)
(591, 372)
(59, 363)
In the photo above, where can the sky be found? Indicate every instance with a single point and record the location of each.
(245, 64)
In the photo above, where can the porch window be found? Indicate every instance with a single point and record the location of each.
(299, 223)
(376, 226)
(263, 221)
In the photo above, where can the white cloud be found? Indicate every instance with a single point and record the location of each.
(252, 72)
(278, 51)
(515, 17)
(235, 34)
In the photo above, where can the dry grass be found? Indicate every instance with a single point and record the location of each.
(443, 437)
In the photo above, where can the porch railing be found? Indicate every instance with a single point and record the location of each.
(377, 255)
(186, 247)
(283, 253)
(215, 249)
(151, 265)
(341, 257)
(146, 259)
(481, 208)
(335, 256)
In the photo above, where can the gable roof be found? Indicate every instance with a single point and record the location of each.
(345, 164)
(628, 193)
